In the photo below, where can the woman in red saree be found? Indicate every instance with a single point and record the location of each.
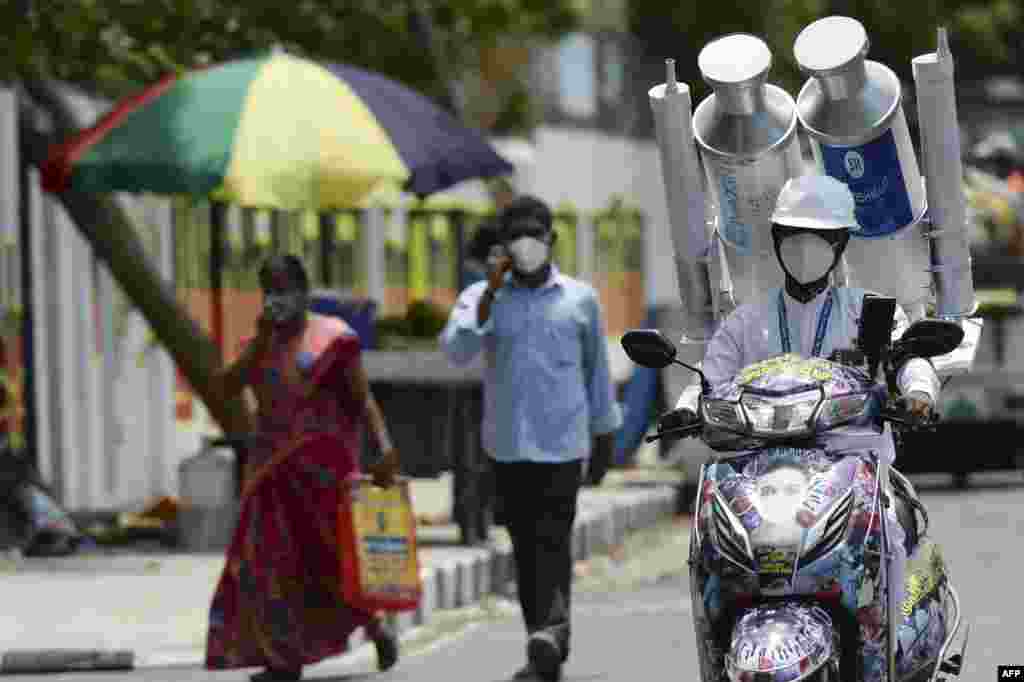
(278, 603)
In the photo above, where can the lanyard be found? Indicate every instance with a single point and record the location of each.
(819, 336)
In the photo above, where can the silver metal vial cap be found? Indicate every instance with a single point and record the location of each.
(830, 44)
(735, 66)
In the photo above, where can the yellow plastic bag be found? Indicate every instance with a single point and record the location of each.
(380, 569)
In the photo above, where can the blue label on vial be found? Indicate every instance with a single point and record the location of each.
(873, 173)
(734, 230)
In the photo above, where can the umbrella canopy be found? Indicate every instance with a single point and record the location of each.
(273, 131)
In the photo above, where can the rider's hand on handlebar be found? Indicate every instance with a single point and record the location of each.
(678, 419)
(919, 406)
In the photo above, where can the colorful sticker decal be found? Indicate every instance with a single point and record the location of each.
(921, 636)
(789, 365)
(776, 562)
(791, 371)
(782, 495)
(925, 572)
(739, 491)
(787, 642)
(825, 489)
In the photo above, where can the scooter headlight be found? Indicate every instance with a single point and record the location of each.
(842, 409)
(781, 415)
(724, 414)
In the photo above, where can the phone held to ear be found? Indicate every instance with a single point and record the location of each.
(497, 251)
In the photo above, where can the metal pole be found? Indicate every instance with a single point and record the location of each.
(458, 222)
(326, 248)
(217, 257)
(28, 316)
(885, 565)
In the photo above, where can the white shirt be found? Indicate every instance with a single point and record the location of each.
(751, 334)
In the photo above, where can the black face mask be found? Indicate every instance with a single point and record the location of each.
(806, 291)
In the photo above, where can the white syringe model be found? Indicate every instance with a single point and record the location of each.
(851, 110)
(684, 191)
(951, 268)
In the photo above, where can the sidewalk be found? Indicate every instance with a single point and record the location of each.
(156, 604)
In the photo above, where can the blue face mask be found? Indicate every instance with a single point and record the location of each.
(304, 362)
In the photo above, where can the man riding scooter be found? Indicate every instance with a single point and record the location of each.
(811, 226)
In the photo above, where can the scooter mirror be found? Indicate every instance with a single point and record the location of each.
(649, 348)
(931, 338)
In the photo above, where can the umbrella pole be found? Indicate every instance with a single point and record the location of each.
(326, 249)
(217, 215)
(459, 224)
(29, 376)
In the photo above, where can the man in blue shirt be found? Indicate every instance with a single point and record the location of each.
(549, 406)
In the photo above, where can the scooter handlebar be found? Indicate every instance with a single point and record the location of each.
(903, 418)
(682, 431)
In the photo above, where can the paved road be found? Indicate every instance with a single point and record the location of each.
(982, 536)
(632, 615)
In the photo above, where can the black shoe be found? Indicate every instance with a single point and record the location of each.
(386, 642)
(529, 674)
(271, 675)
(545, 655)
(526, 673)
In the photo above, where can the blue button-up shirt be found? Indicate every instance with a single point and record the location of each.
(547, 385)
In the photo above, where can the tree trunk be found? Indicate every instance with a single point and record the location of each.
(114, 241)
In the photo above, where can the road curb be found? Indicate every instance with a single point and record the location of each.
(596, 531)
(464, 581)
(65, 660)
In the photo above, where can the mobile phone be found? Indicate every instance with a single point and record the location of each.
(874, 334)
(877, 319)
(276, 308)
(497, 251)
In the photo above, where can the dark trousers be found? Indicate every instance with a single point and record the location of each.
(538, 506)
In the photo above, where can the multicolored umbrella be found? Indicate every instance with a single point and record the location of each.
(273, 131)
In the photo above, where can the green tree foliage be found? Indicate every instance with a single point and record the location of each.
(985, 36)
(117, 45)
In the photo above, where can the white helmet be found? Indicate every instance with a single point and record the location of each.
(816, 202)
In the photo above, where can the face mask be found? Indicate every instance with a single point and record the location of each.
(282, 308)
(529, 254)
(807, 257)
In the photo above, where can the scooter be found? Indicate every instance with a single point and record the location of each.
(790, 562)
